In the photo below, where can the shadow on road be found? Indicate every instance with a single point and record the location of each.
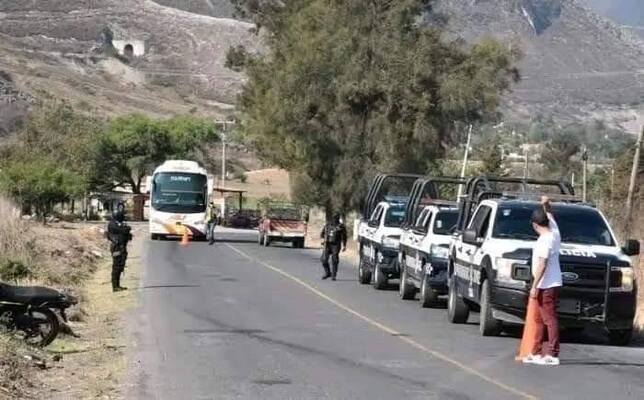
(606, 363)
(167, 286)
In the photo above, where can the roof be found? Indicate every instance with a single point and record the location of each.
(533, 203)
(181, 166)
(228, 190)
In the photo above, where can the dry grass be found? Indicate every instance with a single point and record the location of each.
(271, 182)
(63, 256)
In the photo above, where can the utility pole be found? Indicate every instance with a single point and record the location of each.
(223, 157)
(612, 185)
(467, 151)
(584, 157)
(633, 182)
(525, 164)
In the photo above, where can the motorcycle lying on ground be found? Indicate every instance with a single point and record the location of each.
(30, 312)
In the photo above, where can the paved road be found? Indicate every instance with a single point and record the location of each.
(239, 321)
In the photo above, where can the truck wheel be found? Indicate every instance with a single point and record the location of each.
(428, 297)
(405, 289)
(620, 337)
(457, 310)
(380, 279)
(489, 326)
(267, 241)
(364, 275)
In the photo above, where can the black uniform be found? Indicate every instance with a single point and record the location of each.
(119, 235)
(335, 237)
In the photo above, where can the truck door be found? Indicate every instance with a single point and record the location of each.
(416, 233)
(370, 233)
(468, 271)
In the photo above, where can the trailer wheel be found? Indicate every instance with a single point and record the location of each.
(457, 310)
(620, 337)
(406, 290)
(364, 275)
(489, 326)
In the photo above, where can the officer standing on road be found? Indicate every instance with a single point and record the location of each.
(334, 235)
(211, 220)
(118, 232)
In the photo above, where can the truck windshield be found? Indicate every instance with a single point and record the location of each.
(284, 213)
(445, 222)
(577, 225)
(394, 217)
(179, 192)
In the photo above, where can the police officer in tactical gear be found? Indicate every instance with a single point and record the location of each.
(118, 232)
(334, 235)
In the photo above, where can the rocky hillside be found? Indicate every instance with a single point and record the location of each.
(577, 65)
(60, 48)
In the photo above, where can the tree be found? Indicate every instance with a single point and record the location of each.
(557, 154)
(349, 88)
(39, 183)
(134, 145)
(492, 157)
(59, 134)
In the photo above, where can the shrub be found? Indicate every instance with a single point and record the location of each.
(16, 250)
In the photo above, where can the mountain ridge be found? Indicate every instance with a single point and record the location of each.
(577, 65)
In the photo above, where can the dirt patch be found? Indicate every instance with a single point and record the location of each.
(73, 258)
(92, 365)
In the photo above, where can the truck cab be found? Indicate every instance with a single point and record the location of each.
(378, 243)
(430, 221)
(283, 222)
(424, 253)
(377, 231)
(490, 265)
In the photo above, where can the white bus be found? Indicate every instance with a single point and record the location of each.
(179, 193)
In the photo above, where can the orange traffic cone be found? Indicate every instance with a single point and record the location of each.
(529, 330)
(184, 238)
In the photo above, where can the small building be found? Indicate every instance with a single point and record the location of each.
(130, 47)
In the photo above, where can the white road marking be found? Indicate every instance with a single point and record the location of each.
(387, 329)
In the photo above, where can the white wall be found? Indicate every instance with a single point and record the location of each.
(138, 46)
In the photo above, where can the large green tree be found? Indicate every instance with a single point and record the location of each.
(135, 144)
(348, 88)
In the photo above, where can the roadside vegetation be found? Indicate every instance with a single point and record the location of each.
(61, 154)
(345, 91)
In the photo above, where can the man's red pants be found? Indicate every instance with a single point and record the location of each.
(546, 319)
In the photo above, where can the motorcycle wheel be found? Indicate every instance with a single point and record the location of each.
(44, 329)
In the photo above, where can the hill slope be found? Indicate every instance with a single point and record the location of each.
(577, 65)
(54, 48)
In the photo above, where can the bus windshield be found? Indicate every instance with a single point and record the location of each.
(178, 192)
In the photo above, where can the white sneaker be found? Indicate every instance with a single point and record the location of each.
(548, 360)
(532, 359)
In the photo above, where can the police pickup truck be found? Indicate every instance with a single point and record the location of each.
(378, 241)
(378, 230)
(490, 257)
(426, 235)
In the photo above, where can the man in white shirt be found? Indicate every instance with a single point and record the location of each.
(546, 284)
